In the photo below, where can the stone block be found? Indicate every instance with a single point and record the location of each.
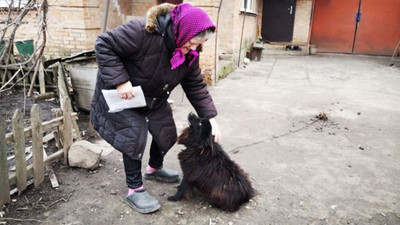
(84, 154)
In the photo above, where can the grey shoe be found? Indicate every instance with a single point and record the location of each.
(142, 201)
(165, 175)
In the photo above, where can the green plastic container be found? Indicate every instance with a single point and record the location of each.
(25, 47)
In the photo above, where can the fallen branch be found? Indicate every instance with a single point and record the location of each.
(59, 200)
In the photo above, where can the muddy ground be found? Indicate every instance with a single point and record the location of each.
(35, 201)
(306, 170)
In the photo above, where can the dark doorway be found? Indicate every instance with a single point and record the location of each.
(278, 20)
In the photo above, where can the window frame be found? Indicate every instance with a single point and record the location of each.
(248, 6)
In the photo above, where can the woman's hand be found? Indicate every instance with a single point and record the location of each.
(126, 90)
(215, 130)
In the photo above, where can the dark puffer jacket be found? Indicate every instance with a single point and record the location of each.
(140, 53)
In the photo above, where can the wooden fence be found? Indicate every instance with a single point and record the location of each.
(39, 77)
(18, 137)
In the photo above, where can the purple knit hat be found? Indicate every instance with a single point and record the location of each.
(188, 22)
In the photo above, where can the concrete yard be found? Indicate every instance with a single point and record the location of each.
(345, 170)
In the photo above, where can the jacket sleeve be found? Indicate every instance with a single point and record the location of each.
(196, 91)
(114, 45)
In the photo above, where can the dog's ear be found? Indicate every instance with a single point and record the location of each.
(206, 127)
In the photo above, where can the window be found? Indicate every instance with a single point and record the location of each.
(248, 6)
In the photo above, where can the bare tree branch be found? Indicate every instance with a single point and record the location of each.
(11, 28)
(17, 22)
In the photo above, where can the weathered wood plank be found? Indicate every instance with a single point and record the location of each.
(48, 137)
(4, 183)
(33, 79)
(25, 85)
(55, 75)
(37, 145)
(67, 131)
(3, 76)
(53, 179)
(58, 139)
(77, 131)
(19, 148)
(62, 85)
(41, 79)
(47, 161)
(46, 126)
(51, 174)
(90, 129)
(44, 96)
(13, 61)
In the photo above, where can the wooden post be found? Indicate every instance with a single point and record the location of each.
(37, 145)
(57, 112)
(3, 76)
(19, 148)
(43, 96)
(90, 130)
(62, 85)
(67, 130)
(4, 183)
(41, 78)
(77, 131)
(12, 61)
(55, 75)
(33, 79)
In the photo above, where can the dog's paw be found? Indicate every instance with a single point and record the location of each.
(174, 198)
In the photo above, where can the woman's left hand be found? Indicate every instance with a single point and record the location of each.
(215, 130)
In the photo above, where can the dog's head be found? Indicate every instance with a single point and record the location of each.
(198, 134)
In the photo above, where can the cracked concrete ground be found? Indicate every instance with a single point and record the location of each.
(306, 171)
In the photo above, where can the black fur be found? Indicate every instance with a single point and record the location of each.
(207, 168)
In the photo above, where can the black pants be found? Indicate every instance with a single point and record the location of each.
(133, 167)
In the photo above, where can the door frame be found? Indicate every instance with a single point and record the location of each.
(289, 37)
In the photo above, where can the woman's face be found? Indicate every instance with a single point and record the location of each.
(193, 44)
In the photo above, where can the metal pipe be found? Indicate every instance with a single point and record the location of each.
(310, 28)
(216, 46)
(241, 38)
(107, 6)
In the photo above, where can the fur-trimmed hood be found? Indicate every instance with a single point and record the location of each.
(154, 12)
(158, 21)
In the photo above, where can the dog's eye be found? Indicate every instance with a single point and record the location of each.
(200, 124)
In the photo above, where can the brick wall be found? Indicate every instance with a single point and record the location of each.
(73, 25)
(140, 7)
(208, 58)
(231, 27)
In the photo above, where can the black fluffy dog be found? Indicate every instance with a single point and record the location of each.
(207, 168)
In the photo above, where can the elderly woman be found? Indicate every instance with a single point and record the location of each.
(156, 53)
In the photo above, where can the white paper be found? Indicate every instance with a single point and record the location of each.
(116, 104)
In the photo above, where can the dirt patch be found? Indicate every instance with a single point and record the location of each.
(14, 99)
(33, 205)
